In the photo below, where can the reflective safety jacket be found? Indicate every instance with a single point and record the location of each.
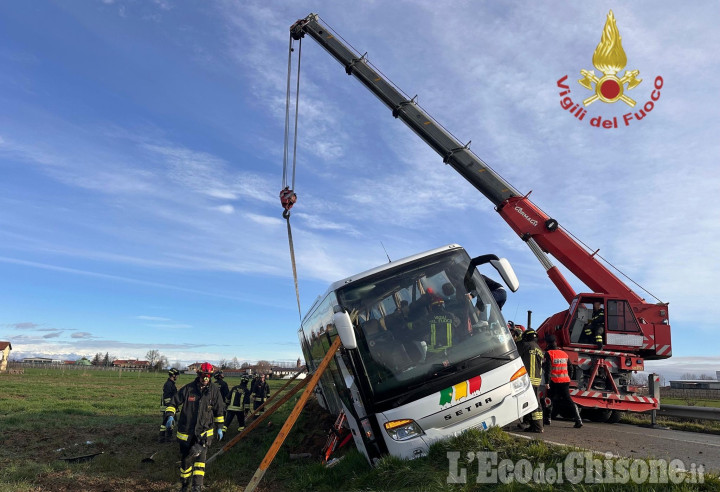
(238, 395)
(202, 408)
(169, 390)
(440, 333)
(556, 362)
(532, 356)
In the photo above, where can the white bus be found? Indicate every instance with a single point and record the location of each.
(425, 354)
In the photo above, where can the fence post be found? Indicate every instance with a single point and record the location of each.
(654, 390)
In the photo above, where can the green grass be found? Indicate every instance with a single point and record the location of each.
(49, 414)
(684, 402)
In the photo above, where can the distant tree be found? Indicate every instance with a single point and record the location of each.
(97, 360)
(108, 359)
(152, 356)
(244, 365)
(638, 380)
(706, 377)
(263, 367)
(223, 364)
(689, 376)
(162, 363)
(235, 363)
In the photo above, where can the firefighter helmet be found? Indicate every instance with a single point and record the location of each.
(219, 375)
(206, 369)
(173, 372)
(529, 335)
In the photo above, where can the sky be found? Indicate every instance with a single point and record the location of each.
(142, 144)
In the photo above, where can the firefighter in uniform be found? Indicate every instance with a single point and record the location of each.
(200, 419)
(440, 327)
(169, 390)
(247, 396)
(556, 367)
(260, 390)
(532, 356)
(238, 395)
(595, 327)
(224, 388)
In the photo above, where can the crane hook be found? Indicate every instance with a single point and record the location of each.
(287, 200)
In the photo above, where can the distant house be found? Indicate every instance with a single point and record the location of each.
(131, 364)
(279, 372)
(700, 384)
(41, 360)
(194, 367)
(5, 348)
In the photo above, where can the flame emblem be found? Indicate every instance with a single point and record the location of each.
(609, 58)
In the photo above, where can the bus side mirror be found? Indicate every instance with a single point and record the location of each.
(506, 272)
(345, 330)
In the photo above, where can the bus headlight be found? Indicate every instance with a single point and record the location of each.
(402, 430)
(520, 380)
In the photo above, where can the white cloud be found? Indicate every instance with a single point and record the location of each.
(152, 318)
(81, 334)
(226, 209)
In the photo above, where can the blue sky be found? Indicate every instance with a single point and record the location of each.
(141, 152)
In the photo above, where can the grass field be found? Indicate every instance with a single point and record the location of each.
(684, 402)
(47, 415)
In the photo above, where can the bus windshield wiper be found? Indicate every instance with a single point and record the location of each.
(440, 369)
(505, 356)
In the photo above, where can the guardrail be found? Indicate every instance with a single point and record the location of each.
(698, 413)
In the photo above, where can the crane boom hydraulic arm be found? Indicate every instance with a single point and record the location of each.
(532, 225)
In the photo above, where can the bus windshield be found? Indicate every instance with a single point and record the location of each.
(422, 321)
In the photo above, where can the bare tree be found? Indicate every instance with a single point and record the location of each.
(152, 357)
(223, 364)
(97, 360)
(638, 380)
(235, 364)
(161, 363)
(689, 376)
(244, 365)
(263, 367)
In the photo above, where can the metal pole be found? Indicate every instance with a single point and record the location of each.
(275, 447)
(529, 319)
(654, 390)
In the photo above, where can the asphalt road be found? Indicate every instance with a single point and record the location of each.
(633, 441)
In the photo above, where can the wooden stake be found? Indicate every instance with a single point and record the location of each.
(258, 421)
(272, 452)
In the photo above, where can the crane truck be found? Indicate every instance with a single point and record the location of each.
(634, 330)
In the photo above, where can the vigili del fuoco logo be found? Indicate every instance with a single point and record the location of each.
(609, 87)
